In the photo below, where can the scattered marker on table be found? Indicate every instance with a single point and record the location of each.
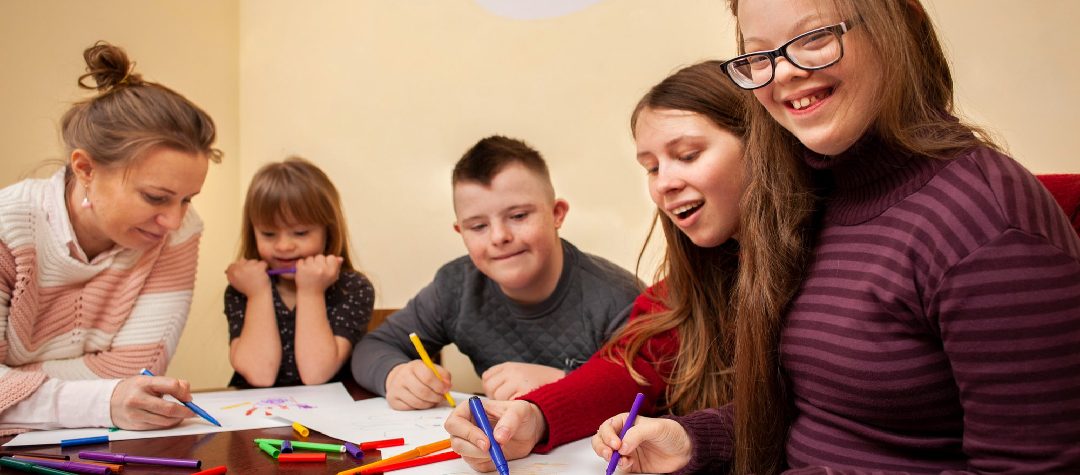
(286, 447)
(381, 444)
(112, 457)
(25, 466)
(300, 429)
(35, 454)
(101, 439)
(354, 451)
(269, 449)
(74, 467)
(297, 457)
(220, 469)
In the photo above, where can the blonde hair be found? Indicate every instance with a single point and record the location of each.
(294, 191)
(129, 116)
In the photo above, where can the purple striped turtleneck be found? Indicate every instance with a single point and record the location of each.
(938, 328)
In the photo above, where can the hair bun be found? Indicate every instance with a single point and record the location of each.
(109, 67)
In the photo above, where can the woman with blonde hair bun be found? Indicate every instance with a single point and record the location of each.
(97, 263)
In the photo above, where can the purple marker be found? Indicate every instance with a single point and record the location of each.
(354, 450)
(75, 467)
(125, 458)
(283, 270)
(626, 426)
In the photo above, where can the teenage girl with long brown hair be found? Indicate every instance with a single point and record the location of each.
(937, 327)
(676, 347)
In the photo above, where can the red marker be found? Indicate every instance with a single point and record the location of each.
(212, 471)
(302, 457)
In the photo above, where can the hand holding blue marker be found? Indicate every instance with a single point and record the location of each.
(190, 405)
(480, 415)
(626, 426)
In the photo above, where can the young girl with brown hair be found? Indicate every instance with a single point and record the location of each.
(295, 304)
(676, 347)
(936, 329)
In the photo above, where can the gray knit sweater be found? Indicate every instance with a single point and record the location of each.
(465, 307)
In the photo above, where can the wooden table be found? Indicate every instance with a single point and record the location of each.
(233, 449)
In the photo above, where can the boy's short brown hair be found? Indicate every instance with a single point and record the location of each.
(490, 155)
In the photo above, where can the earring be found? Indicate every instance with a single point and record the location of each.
(86, 204)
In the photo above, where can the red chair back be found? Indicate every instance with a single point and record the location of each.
(1066, 190)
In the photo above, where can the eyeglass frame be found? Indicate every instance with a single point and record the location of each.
(838, 29)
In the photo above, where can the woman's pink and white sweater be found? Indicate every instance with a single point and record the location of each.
(71, 328)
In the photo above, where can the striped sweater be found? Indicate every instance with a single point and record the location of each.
(938, 329)
(64, 319)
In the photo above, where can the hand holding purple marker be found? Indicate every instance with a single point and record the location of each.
(626, 426)
(283, 270)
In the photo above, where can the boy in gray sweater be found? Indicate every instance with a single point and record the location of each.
(525, 306)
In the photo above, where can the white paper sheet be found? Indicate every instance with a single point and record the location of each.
(573, 458)
(373, 419)
(235, 410)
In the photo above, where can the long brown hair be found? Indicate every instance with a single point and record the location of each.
(130, 116)
(698, 283)
(294, 191)
(915, 116)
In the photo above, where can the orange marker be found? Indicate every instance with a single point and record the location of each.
(414, 453)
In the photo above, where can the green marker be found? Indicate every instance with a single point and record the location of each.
(332, 448)
(269, 449)
(31, 467)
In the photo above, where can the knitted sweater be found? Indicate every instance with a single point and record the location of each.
(64, 319)
(465, 307)
(576, 405)
(938, 328)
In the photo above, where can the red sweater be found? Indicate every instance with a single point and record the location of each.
(577, 404)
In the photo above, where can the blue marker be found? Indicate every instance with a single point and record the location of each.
(101, 439)
(190, 405)
(480, 415)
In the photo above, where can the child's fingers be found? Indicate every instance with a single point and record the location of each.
(466, 438)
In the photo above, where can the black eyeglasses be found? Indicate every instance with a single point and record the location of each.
(816, 49)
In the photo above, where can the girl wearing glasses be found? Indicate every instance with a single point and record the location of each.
(937, 325)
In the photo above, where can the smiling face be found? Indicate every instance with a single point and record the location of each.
(510, 230)
(282, 244)
(695, 169)
(136, 206)
(827, 110)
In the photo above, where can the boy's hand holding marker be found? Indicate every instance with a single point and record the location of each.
(418, 384)
(518, 426)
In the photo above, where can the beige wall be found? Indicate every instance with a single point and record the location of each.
(385, 96)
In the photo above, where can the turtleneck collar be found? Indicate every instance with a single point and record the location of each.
(869, 178)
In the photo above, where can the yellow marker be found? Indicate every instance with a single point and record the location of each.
(427, 361)
(409, 455)
(303, 431)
